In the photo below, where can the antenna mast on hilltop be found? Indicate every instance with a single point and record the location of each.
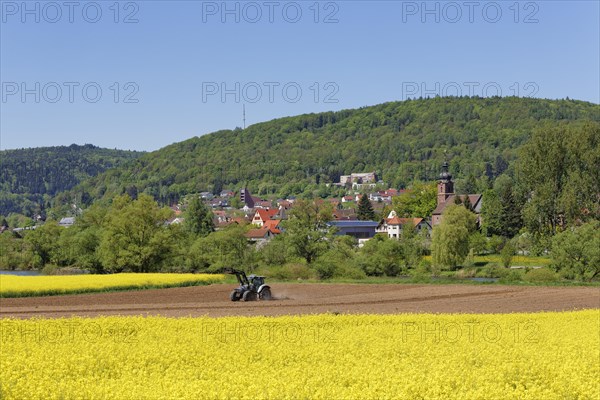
(244, 115)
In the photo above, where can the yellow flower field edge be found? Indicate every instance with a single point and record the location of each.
(23, 286)
(408, 356)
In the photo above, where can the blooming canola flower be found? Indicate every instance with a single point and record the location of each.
(406, 356)
(17, 286)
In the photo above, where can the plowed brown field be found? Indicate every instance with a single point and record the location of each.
(308, 299)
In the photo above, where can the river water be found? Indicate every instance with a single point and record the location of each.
(20, 273)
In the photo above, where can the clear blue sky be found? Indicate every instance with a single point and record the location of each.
(179, 55)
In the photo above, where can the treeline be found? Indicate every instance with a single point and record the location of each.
(29, 178)
(402, 141)
(131, 235)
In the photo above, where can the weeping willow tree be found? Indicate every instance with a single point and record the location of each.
(450, 240)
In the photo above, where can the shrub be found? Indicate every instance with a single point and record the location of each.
(494, 244)
(71, 271)
(466, 273)
(507, 253)
(512, 275)
(327, 269)
(292, 271)
(470, 260)
(423, 272)
(477, 242)
(50, 269)
(541, 275)
(578, 250)
(349, 271)
(492, 270)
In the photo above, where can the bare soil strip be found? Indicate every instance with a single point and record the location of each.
(295, 299)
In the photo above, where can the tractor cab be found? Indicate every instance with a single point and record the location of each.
(256, 281)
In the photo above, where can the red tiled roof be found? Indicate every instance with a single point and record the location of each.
(403, 221)
(266, 215)
(224, 224)
(394, 221)
(263, 231)
(345, 214)
(257, 233)
(273, 226)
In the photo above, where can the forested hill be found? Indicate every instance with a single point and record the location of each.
(401, 141)
(29, 177)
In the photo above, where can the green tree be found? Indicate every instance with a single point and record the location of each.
(450, 240)
(577, 250)
(477, 243)
(80, 243)
(579, 199)
(44, 243)
(559, 173)
(15, 253)
(468, 185)
(511, 208)
(19, 220)
(227, 248)
(198, 218)
(412, 246)
(135, 237)
(418, 202)
(307, 231)
(365, 209)
(217, 185)
(491, 213)
(235, 202)
(382, 256)
(339, 260)
(501, 210)
(275, 252)
(507, 253)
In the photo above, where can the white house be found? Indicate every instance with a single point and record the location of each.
(392, 225)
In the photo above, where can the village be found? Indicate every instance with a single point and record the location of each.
(267, 215)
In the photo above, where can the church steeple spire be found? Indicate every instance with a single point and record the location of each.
(445, 185)
(445, 175)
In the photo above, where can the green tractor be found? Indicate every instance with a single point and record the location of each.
(251, 287)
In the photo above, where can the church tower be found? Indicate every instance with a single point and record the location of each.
(445, 186)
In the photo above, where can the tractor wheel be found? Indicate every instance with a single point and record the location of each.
(249, 295)
(235, 296)
(265, 294)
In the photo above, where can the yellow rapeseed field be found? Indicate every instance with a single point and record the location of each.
(18, 286)
(539, 356)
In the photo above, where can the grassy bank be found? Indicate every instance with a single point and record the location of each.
(521, 261)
